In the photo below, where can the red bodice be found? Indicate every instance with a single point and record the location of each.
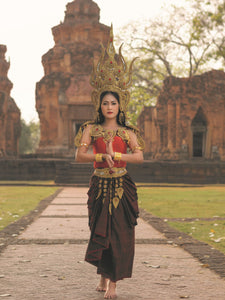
(119, 145)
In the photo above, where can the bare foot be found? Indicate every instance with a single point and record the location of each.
(103, 284)
(111, 291)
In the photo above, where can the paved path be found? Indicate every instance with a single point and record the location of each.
(47, 261)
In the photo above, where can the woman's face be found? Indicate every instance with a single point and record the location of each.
(109, 106)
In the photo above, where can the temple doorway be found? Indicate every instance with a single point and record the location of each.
(199, 132)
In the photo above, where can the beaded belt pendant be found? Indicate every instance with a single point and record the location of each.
(113, 187)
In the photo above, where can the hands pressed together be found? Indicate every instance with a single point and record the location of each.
(109, 153)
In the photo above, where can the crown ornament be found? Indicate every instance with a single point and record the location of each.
(111, 74)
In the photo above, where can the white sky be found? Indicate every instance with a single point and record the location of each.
(25, 28)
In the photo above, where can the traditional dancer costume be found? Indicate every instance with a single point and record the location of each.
(112, 202)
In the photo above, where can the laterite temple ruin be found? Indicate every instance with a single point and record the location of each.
(188, 121)
(63, 95)
(9, 112)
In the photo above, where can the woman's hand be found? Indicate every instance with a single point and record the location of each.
(109, 147)
(108, 158)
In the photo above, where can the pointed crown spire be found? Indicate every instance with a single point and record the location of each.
(111, 74)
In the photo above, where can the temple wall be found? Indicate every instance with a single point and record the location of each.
(68, 172)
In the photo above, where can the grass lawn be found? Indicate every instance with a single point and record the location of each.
(24, 182)
(189, 202)
(212, 233)
(17, 201)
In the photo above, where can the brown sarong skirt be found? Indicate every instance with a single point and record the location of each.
(113, 213)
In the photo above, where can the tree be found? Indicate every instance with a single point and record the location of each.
(182, 42)
(30, 136)
(210, 21)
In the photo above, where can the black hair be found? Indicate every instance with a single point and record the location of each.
(100, 118)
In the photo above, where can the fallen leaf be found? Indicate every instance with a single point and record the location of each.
(175, 275)
(80, 262)
(219, 239)
(204, 265)
(154, 267)
(24, 261)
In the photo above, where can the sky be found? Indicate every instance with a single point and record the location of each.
(25, 28)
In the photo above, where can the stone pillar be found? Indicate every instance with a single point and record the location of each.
(171, 126)
(178, 138)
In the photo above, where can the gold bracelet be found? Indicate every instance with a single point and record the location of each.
(98, 157)
(83, 144)
(117, 156)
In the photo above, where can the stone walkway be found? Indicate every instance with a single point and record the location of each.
(46, 261)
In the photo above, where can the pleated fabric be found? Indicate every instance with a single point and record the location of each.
(112, 239)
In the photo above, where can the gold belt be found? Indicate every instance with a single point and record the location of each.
(110, 173)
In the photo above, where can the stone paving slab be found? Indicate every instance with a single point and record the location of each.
(161, 272)
(70, 200)
(77, 228)
(57, 228)
(144, 231)
(73, 192)
(68, 210)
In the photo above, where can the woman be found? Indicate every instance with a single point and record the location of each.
(112, 202)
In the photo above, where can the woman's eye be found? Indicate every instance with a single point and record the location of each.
(106, 103)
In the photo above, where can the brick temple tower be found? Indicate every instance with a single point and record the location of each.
(9, 112)
(63, 95)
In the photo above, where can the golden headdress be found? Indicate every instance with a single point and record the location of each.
(111, 74)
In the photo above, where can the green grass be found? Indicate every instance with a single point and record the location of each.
(212, 233)
(25, 182)
(189, 202)
(17, 201)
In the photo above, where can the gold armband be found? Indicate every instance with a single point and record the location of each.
(117, 156)
(83, 144)
(98, 157)
(136, 148)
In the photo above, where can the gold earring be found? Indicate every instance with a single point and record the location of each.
(121, 117)
(98, 118)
